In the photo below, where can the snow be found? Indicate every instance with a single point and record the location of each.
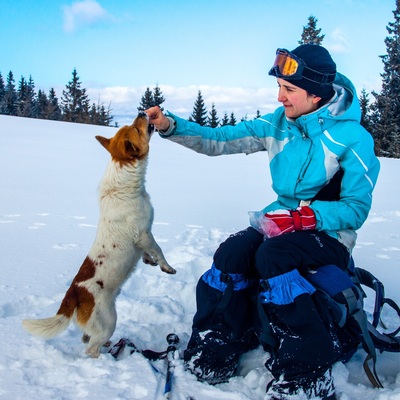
(48, 216)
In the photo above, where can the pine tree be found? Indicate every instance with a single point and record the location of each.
(41, 108)
(311, 35)
(213, 120)
(158, 97)
(26, 98)
(2, 94)
(147, 100)
(365, 110)
(225, 120)
(10, 96)
(232, 119)
(386, 130)
(199, 114)
(54, 111)
(75, 101)
(151, 99)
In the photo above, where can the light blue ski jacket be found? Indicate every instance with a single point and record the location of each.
(304, 154)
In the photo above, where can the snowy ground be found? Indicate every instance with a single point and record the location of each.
(48, 217)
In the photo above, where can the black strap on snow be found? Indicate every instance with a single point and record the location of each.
(386, 341)
(356, 311)
(392, 304)
(366, 278)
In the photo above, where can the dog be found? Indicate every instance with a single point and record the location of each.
(123, 237)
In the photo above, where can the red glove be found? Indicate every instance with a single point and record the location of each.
(284, 221)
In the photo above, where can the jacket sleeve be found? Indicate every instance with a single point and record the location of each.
(361, 169)
(245, 137)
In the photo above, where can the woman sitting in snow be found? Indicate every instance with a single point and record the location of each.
(323, 170)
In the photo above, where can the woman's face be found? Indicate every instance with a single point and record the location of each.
(296, 101)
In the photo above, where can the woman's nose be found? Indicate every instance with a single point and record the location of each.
(281, 96)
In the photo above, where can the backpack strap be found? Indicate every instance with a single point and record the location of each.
(370, 336)
(365, 277)
(356, 311)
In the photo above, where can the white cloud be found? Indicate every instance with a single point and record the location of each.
(82, 13)
(337, 42)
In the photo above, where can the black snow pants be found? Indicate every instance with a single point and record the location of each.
(248, 269)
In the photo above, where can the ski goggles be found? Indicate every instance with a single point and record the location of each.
(288, 65)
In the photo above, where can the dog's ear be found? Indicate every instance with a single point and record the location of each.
(103, 141)
(131, 150)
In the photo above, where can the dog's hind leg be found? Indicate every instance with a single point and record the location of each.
(101, 327)
(153, 254)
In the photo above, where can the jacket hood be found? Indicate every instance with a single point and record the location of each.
(344, 105)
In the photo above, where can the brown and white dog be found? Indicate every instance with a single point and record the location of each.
(123, 237)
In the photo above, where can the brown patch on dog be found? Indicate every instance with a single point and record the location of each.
(86, 271)
(78, 296)
(85, 305)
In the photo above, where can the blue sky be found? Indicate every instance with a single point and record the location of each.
(224, 49)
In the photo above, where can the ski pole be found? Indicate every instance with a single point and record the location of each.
(172, 340)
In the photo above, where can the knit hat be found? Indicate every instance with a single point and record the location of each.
(318, 73)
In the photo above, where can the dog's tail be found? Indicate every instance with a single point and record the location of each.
(53, 326)
(47, 327)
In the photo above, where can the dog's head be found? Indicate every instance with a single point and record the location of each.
(130, 143)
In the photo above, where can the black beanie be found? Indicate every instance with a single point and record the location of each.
(316, 58)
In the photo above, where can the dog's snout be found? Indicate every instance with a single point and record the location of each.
(142, 114)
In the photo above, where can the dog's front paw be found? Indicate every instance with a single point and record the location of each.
(147, 259)
(167, 268)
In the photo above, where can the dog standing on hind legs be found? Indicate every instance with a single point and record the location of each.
(123, 237)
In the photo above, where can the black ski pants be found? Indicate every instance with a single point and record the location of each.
(273, 269)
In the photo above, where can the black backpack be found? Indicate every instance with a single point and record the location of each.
(341, 292)
(346, 304)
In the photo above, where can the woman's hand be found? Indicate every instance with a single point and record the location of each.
(157, 118)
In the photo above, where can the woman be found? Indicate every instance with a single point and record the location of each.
(323, 170)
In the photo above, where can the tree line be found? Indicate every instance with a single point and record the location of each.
(75, 105)
(380, 115)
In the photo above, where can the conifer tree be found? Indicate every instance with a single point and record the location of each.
(2, 94)
(199, 114)
(365, 110)
(147, 100)
(213, 120)
(41, 108)
(311, 35)
(75, 101)
(386, 109)
(10, 96)
(151, 99)
(232, 119)
(26, 98)
(105, 117)
(158, 97)
(225, 120)
(54, 111)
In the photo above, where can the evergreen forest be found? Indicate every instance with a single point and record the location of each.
(380, 111)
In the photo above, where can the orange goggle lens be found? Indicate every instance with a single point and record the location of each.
(286, 64)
